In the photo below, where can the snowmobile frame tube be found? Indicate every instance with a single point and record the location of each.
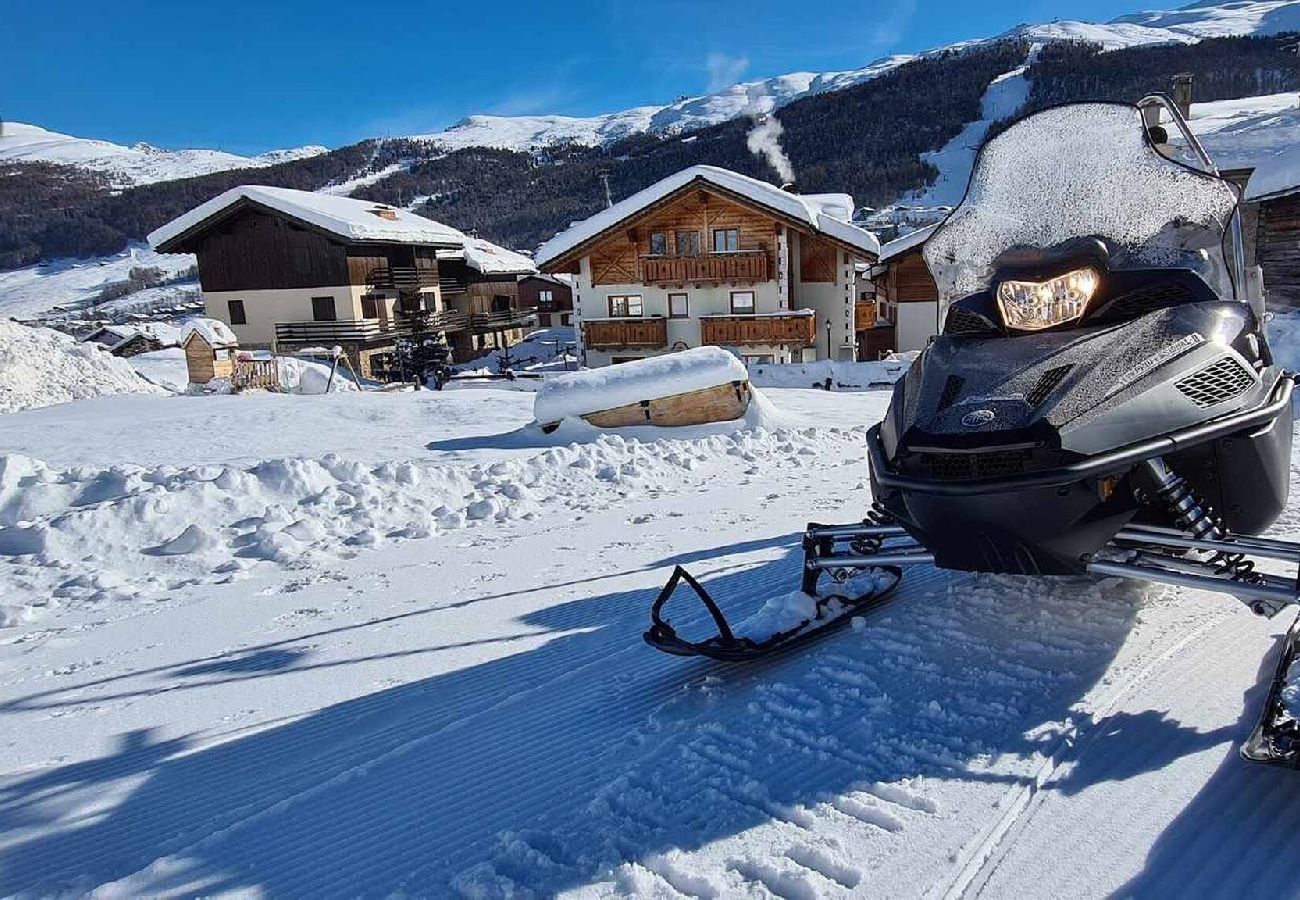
(1169, 537)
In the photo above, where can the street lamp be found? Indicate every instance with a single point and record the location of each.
(828, 338)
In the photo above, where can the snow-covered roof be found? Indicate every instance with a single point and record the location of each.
(214, 331)
(1276, 176)
(352, 220)
(824, 213)
(486, 257)
(906, 242)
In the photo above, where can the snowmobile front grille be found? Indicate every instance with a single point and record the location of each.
(1046, 384)
(1221, 380)
(964, 323)
(962, 466)
(1144, 300)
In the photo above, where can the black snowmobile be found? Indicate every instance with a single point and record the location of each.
(1101, 402)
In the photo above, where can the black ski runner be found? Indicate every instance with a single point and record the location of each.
(831, 612)
(1276, 739)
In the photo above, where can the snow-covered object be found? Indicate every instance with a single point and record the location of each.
(901, 245)
(1291, 691)
(216, 332)
(1247, 132)
(301, 376)
(126, 166)
(1276, 176)
(40, 367)
(352, 220)
(827, 213)
(843, 375)
(579, 393)
(1076, 171)
(486, 257)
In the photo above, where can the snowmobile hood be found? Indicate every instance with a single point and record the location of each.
(1080, 390)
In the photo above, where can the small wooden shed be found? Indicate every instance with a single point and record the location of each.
(209, 347)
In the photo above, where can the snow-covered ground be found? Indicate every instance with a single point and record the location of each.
(374, 644)
(72, 283)
(128, 166)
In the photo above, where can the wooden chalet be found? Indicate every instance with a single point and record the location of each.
(549, 296)
(293, 269)
(906, 300)
(711, 257)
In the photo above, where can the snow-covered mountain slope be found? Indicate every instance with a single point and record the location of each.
(73, 283)
(127, 166)
(1185, 25)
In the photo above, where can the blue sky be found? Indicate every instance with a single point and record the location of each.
(251, 76)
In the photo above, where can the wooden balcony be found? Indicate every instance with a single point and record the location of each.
(619, 334)
(402, 278)
(744, 266)
(792, 330)
(864, 315)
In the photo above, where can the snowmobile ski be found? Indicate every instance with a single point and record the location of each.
(1276, 739)
(831, 611)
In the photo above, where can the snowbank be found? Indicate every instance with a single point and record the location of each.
(92, 535)
(40, 367)
(843, 375)
(301, 376)
(578, 393)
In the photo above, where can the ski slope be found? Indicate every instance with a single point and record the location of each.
(473, 712)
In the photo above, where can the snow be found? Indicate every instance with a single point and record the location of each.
(902, 244)
(1276, 176)
(1291, 690)
(540, 351)
(817, 211)
(40, 367)
(74, 283)
(843, 375)
(128, 166)
(216, 332)
(578, 393)
(486, 257)
(353, 220)
(390, 644)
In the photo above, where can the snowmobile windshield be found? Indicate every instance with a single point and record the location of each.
(1081, 171)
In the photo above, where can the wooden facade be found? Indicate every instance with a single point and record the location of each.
(626, 256)
(908, 279)
(254, 250)
(792, 330)
(204, 362)
(1277, 248)
(621, 334)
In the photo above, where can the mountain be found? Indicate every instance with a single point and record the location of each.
(1186, 25)
(128, 166)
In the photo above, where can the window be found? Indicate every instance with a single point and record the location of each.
(762, 359)
(658, 243)
(545, 298)
(725, 240)
(678, 307)
(742, 302)
(237, 315)
(624, 305)
(688, 243)
(501, 303)
(369, 306)
(322, 309)
(566, 319)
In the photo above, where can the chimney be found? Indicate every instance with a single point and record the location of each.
(385, 213)
(1183, 94)
(790, 187)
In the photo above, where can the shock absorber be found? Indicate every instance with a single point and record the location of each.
(1195, 517)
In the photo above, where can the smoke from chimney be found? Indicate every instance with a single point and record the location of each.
(764, 139)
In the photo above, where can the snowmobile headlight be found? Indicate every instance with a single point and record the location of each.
(1033, 305)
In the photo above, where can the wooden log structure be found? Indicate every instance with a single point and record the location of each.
(721, 403)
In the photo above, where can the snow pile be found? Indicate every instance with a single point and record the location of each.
(579, 393)
(86, 536)
(843, 375)
(40, 367)
(1291, 691)
(301, 376)
(216, 332)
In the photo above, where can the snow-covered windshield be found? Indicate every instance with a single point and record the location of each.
(1079, 171)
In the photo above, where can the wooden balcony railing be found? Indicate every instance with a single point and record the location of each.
(402, 278)
(502, 320)
(616, 334)
(794, 330)
(864, 315)
(362, 331)
(741, 266)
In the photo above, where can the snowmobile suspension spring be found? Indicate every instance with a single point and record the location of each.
(877, 515)
(1193, 516)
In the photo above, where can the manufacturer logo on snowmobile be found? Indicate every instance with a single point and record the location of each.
(1155, 361)
(978, 417)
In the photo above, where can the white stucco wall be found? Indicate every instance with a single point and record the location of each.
(915, 323)
(263, 309)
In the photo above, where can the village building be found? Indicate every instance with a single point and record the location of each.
(907, 299)
(711, 257)
(288, 269)
(1272, 210)
(550, 297)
